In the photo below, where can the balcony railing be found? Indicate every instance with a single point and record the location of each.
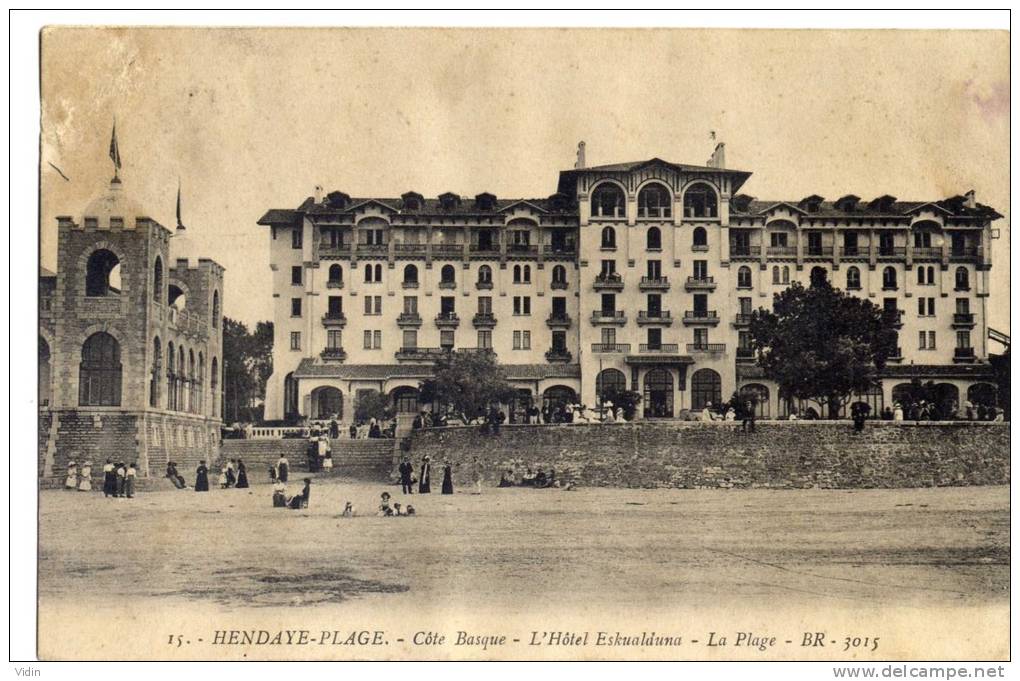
(654, 317)
(560, 250)
(559, 321)
(966, 354)
(963, 319)
(608, 282)
(781, 251)
(483, 285)
(416, 353)
(658, 212)
(892, 251)
(745, 354)
(610, 347)
(699, 284)
(664, 348)
(738, 251)
(410, 249)
(701, 317)
(334, 354)
(409, 284)
(818, 252)
(447, 249)
(895, 316)
(334, 319)
(927, 253)
(559, 285)
(853, 252)
(335, 283)
(608, 317)
(484, 320)
(447, 319)
(654, 284)
(742, 319)
(373, 249)
(706, 347)
(447, 284)
(522, 249)
(409, 319)
(558, 355)
(490, 249)
(339, 250)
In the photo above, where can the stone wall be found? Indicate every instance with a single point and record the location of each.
(371, 459)
(781, 454)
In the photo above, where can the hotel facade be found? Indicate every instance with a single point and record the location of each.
(639, 276)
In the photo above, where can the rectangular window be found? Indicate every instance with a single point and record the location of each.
(484, 338)
(525, 340)
(608, 304)
(926, 307)
(559, 341)
(517, 340)
(296, 238)
(373, 305)
(446, 338)
(377, 339)
(559, 306)
(885, 243)
(336, 306)
(700, 269)
(654, 339)
(295, 307)
(744, 340)
(701, 337)
(410, 339)
(925, 340)
(446, 305)
(295, 275)
(850, 243)
(777, 239)
(700, 302)
(367, 340)
(410, 304)
(814, 243)
(484, 305)
(609, 336)
(522, 305)
(963, 305)
(931, 340)
(654, 305)
(655, 269)
(745, 305)
(333, 339)
(295, 340)
(922, 239)
(963, 339)
(608, 267)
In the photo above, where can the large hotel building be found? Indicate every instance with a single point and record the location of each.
(632, 275)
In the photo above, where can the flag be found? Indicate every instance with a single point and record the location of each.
(114, 149)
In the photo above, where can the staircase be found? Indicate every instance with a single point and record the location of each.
(360, 459)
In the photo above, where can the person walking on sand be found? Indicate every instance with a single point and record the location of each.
(242, 475)
(86, 477)
(109, 479)
(71, 481)
(447, 478)
(201, 478)
(425, 476)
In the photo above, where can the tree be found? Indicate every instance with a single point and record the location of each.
(247, 365)
(467, 382)
(372, 405)
(822, 344)
(1000, 365)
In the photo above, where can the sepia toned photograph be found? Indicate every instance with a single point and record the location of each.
(523, 344)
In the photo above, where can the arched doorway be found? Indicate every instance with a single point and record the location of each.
(947, 400)
(327, 403)
(558, 395)
(659, 394)
(44, 372)
(706, 387)
(405, 400)
(519, 405)
(758, 394)
(983, 393)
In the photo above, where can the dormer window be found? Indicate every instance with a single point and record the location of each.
(485, 201)
(883, 203)
(810, 203)
(412, 201)
(449, 201)
(847, 203)
(337, 200)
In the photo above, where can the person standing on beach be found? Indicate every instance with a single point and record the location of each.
(425, 476)
(406, 470)
(447, 478)
(281, 469)
(71, 481)
(86, 477)
(201, 478)
(109, 480)
(242, 475)
(129, 480)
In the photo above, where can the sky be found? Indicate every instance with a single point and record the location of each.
(251, 119)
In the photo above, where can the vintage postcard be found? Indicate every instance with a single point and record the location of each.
(523, 344)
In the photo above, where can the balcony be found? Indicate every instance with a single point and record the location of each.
(745, 355)
(963, 320)
(484, 249)
(608, 282)
(853, 252)
(964, 254)
(421, 354)
(483, 285)
(559, 321)
(373, 249)
(410, 249)
(896, 357)
(558, 355)
(335, 283)
(528, 250)
(654, 212)
(742, 319)
(699, 284)
(338, 251)
(616, 317)
(333, 354)
(447, 320)
(559, 286)
(819, 252)
(654, 318)
(654, 284)
(738, 251)
(565, 251)
(701, 318)
(895, 316)
(892, 252)
(927, 253)
(484, 320)
(659, 348)
(781, 251)
(714, 348)
(963, 355)
(447, 284)
(447, 249)
(409, 319)
(334, 319)
(409, 284)
(610, 347)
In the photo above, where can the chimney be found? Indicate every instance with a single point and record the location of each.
(971, 201)
(318, 193)
(580, 164)
(718, 158)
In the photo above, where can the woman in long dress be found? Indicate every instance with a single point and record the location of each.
(242, 475)
(281, 469)
(425, 479)
(86, 477)
(71, 481)
(109, 480)
(447, 479)
(121, 474)
(129, 480)
(231, 477)
(201, 478)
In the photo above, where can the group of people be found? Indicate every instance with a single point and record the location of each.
(320, 452)
(424, 477)
(386, 508)
(923, 410)
(372, 428)
(233, 474)
(530, 478)
(296, 502)
(118, 478)
(79, 479)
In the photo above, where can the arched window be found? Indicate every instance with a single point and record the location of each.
(853, 278)
(157, 372)
(920, 275)
(216, 309)
(405, 400)
(378, 272)
(193, 385)
(200, 379)
(214, 384)
(706, 389)
(744, 277)
(758, 395)
(182, 381)
(517, 274)
(962, 279)
(609, 382)
(653, 239)
(700, 201)
(699, 238)
(447, 275)
(607, 201)
(775, 274)
(982, 393)
(175, 297)
(559, 274)
(819, 276)
(889, 278)
(484, 274)
(410, 274)
(44, 372)
(608, 237)
(336, 275)
(786, 274)
(655, 201)
(527, 274)
(171, 378)
(99, 372)
(368, 273)
(102, 275)
(157, 280)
